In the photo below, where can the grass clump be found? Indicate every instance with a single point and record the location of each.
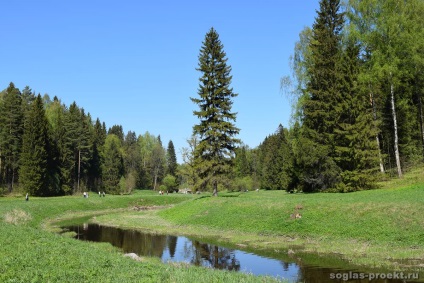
(17, 217)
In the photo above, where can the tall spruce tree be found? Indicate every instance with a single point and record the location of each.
(98, 139)
(171, 158)
(118, 131)
(11, 129)
(277, 162)
(356, 151)
(216, 129)
(241, 163)
(34, 177)
(84, 148)
(320, 115)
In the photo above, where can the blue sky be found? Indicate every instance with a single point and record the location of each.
(133, 63)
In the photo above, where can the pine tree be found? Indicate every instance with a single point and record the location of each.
(98, 139)
(11, 130)
(118, 131)
(75, 148)
(216, 129)
(356, 151)
(319, 110)
(276, 162)
(33, 172)
(171, 158)
(241, 163)
(27, 98)
(84, 148)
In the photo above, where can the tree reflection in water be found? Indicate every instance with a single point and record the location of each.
(213, 256)
(145, 244)
(172, 248)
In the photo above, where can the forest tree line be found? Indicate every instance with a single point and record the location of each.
(49, 149)
(357, 88)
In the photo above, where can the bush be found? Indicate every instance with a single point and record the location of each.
(170, 183)
(243, 184)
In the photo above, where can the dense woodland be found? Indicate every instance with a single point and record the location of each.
(48, 148)
(357, 90)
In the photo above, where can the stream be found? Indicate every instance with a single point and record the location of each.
(292, 266)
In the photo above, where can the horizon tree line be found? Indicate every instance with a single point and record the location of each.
(357, 88)
(49, 149)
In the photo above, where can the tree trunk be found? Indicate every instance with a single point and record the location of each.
(155, 180)
(374, 112)
(392, 96)
(215, 189)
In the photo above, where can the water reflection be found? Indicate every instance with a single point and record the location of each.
(213, 256)
(182, 249)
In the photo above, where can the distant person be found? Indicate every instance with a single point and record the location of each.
(27, 197)
(104, 194)
(100, 195)
(84, 194)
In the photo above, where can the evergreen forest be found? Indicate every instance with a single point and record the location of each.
(356, 87)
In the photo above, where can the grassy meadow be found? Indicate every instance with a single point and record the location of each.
(381, 228)
(30, 251)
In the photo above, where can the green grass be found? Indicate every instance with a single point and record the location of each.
(377, 228)
(381, 228)
(392, 216)
(29, 252)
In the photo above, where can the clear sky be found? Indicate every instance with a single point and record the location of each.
(133, 63)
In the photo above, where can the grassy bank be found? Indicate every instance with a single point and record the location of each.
(378, 228)
(30, 253)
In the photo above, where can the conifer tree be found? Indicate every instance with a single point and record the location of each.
(241, 163)
(35, 151)
(216, 129)
(98, 137)
(84, 148)
(276, 162)
(118, 131)
(11, 129)
(319, 110)
(356, 151)
(27, 98)
(171, 158)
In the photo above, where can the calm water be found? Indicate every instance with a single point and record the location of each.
(181, 249)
